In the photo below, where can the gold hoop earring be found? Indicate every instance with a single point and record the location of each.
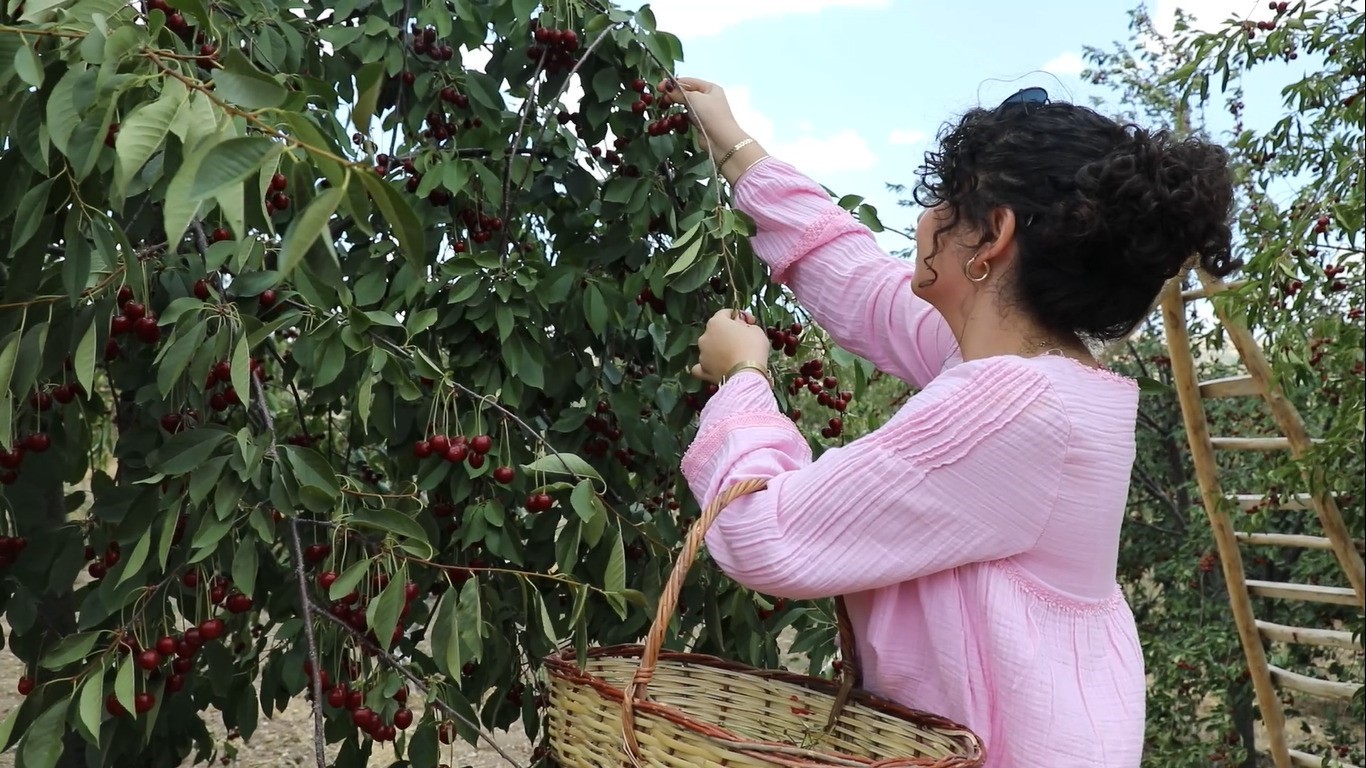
(967, 271)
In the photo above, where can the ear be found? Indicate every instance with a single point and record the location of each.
(1000, 250)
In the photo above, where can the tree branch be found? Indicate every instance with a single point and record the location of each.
(319, 739)
(394, 664)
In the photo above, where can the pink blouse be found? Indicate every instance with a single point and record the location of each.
(974, 537)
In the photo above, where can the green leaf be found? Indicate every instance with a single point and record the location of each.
(368, 82)
(7, 726)
(180, 207)
(92, 704)
(143, 131)
(230, 162)
(391, 521)
(177, 356)
(586, 502)
(43, 740)
(185, 451)
(307, 227)
(83, 359)
(687, 258)
(312, 470)
(244, 566)
(348, 579)
(562, 464)
(470, 624)
(382, 613)
(28, 66)
(29, 216)
(125, 683)
(445, 641)
(614, 579)
(240, 82)
(241, 367)
(402, 220)
(136, 560)
(1149, 386)
(68, 649)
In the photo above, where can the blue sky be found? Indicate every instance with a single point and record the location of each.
(853, 91)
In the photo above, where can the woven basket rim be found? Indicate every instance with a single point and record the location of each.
(564, 664)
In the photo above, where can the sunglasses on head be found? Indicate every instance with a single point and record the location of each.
(1027, 96)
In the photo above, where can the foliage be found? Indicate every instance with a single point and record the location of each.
(343, 349)
(1299, 226)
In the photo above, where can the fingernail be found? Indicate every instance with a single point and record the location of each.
(669, 84)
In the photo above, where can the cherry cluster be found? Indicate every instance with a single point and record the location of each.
(34, 442)
(676, 122)
(424, 43)
(134, 317)
(812, 379)
(276, 199)
(556, 45)
(460, 449)
(785, 339)
(607, 431)
(480, 225)
(10, 549)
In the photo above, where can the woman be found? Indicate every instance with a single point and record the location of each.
(974, 536)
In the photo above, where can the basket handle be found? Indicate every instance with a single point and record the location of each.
(639, 684)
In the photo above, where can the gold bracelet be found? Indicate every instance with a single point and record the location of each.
(732, 152)
(748, 365)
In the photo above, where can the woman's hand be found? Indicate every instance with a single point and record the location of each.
(731, 337)
(707, 109)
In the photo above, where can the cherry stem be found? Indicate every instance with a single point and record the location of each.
(319, 739)
(398, 666)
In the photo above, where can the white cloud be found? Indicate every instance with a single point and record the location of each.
(907, 137)
(840, 152)
(1069, 63)
(699, 18)
(1205, 15)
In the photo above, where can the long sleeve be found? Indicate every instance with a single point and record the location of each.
(967, 472)
(859, 294)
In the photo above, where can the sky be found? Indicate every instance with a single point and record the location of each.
(853, 92)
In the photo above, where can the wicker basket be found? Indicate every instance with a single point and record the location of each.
(705, 712)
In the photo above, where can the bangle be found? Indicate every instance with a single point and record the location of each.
(748, 365)
(732, 152)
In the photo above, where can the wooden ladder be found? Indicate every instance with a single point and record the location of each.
(1258, 381)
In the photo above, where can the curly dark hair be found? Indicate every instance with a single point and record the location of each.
(1105, 212)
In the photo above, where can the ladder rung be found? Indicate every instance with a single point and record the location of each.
(1250, 443)
(1308, 592)
(1283, 540)
(1199, 293)
(1306, 760)
(1331, 638)
(1327, 689)
(1249, 501)
(1230, 386)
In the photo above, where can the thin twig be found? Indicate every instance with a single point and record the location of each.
(528, 105)
(394, 664)
(319, 738)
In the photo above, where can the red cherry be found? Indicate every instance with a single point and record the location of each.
(175, 683)
(481, 444)
(134, 310)
(64, 393)
(194, 638)
(422, 449)
(439, 443)
(280, 200)
(326, 579)
(26, 685)
(165, 645)
(278, 182)
(211, 629)
(221, 234)
(238, 603)
(336, 697)
(119, 325)
(113, 707)
(457, 453)
(504, 475)
(38, 442)
(362, 717)
(409, 77)
(267, 298)
(144, 702)
(149, 659)
(146, 330)
(403, 718)
(125, 294)
(476, 460)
